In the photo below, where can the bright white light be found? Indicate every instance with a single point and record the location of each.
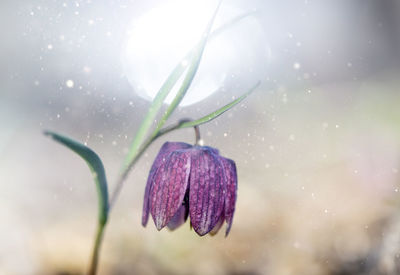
(160, 39)
(69, 83)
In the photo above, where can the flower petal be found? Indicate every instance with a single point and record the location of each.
(212, 149)
(207, 184)
(169, 186)
(218, 226)
(179, 218)
(165, 150)
(231, 191)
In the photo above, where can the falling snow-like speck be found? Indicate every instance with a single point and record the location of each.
(296, 66)
(69, 83)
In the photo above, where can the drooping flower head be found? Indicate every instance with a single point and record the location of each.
(190, 181)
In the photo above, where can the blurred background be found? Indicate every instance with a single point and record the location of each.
(317, 146)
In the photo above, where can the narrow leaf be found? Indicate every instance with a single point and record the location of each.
(151, 114)
(96, 166)
(195, 57)
(218, 112)
(193, 67)
(164, 91)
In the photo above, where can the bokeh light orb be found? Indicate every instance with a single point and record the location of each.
(160, 38)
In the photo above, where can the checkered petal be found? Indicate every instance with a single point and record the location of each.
(165, 151)
(206, 191)
(230, 191)
(169, 185)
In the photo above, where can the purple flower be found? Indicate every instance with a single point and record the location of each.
(194, 181)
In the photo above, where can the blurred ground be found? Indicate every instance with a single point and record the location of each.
(317, 150)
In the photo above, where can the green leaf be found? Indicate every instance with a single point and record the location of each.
(164, 91)
(187, 81)
(96, 167)
(151, 114)
(218, 112)
(194, 56)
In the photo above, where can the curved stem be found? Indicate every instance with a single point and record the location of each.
(96, 249)
(197, 133)
(124, 174)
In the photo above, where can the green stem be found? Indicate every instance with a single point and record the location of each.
(146, 144)
(197, 133)
(96, 249)
(120, 182)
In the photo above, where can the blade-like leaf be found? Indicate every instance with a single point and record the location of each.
(193, 67)
(218, 112)
(164, 91)
(151, 114)
(186, 123)
(96, 166)
(194, 56)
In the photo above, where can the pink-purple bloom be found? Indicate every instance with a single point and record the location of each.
(194, 181)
